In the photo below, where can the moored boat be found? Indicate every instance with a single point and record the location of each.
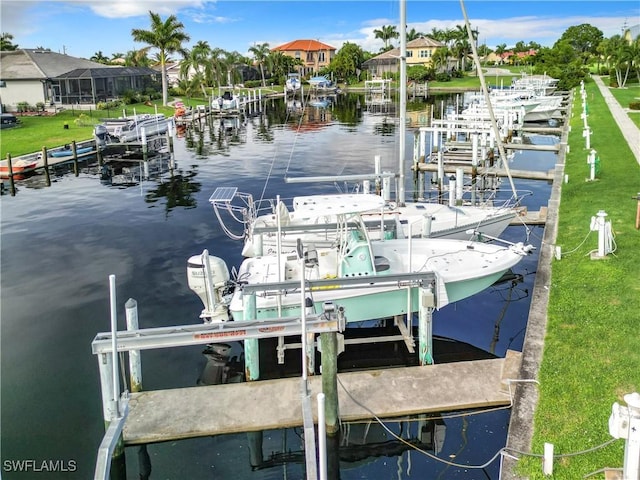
(461, 269)
(19, 167)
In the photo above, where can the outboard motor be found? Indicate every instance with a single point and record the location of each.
(208, 276)
(101, 134)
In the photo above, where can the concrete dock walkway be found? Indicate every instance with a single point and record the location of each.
(163, 415)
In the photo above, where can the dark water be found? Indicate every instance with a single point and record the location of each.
(61, 243)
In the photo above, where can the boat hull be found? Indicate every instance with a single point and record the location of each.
(378, 303)
(461, 269)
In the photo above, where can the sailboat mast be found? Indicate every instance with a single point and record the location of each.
(485, 91)
(403, 101)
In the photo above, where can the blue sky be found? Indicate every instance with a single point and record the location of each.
(83, 27)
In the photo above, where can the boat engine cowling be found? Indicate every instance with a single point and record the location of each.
(208, 277)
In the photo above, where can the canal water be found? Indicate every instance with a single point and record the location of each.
(61, 242)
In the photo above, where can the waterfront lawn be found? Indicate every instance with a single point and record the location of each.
(592, 347)
(630, 93)
(35, 132)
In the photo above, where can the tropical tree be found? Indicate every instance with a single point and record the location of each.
(635, 53)
(117, 58)
(215, 70)
(260, 53)
(167, 37)
(347, 61)
(196, 60)
(386, 33)
(6, 43)
(413, 34)
(584, 39)
(439, 59)
(99, 57)
(137, 58)
(620, 55)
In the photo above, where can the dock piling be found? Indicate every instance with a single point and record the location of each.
(12, 182)
(135, 366)
(45, 162)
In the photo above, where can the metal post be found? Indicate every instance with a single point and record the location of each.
(135, 367)
(251, 345)
(114, 342)
(425, 325)
(322, 439)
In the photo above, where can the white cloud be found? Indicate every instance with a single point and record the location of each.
(129, 8)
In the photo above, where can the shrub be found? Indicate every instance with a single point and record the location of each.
(253, 83)
(84, 120)
(40, 106)
(23, 107)
(634, 105)
(109, 105)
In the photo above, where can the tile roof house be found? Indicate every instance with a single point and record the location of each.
(42, 76)
(314, 54)
(419, 52)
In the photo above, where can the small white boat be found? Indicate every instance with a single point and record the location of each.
(130, 129)
(321, 83)
(281, 225)
(293, 83)
(460, 268)
(227, 102)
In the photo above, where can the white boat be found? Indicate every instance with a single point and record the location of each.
(460, 269)
(281, 226)
(321, 83)
(130, 129)
(227, 102)
(293, 83)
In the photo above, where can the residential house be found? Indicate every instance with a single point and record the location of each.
(42, 76)
(631, 33)
(314, 55)
(510, 57)
(419, 52)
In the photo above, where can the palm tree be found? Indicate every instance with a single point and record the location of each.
(117, 58)
(99, 57)
(386, 33)
(260, 54)
(167, 37)
(196, 60)
(413, 34)
(137, 58)
(6, 44)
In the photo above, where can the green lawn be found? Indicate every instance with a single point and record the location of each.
(592, 346)
(630, 93)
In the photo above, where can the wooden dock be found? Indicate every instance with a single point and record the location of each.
(163, 415)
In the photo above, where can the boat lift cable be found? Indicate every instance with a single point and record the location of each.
(485, 91)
